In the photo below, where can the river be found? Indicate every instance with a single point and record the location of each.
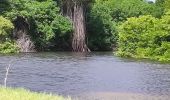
(93, 76)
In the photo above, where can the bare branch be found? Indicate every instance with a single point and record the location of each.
(7, 72)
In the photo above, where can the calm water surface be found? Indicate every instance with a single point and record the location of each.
(75, 73)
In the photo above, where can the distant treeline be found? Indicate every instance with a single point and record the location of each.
(135, 28)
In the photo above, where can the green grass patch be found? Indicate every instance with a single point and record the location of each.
(22, 94)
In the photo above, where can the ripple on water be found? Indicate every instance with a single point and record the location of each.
(69, 73)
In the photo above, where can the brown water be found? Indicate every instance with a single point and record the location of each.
(93, 76)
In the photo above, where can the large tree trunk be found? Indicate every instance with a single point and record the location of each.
(21, 35)
(75, 11)
(79, 35)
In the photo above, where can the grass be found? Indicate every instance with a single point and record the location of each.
(22, 94)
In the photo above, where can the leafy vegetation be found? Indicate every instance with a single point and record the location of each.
(22, 94)
(145, 37)
(6, 44)
(5, 26)
(105, 16)
(137, 28)
(166, 4)
(44, 20)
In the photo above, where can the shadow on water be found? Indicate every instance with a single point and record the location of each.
(74, 74)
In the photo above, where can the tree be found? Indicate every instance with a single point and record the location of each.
(75, 10)
(37, 23)
(105, 15)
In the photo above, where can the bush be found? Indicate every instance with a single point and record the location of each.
(8, 47)
(145, 37)
(6, 44)
(5, 27)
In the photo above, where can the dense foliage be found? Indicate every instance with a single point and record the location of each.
(105, 15)
(166, 4)
(45, 21)
(136, 28)
(145, 37)
(6, 44)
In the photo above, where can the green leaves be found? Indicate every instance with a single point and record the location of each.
(145, 37)
(166, 5)
(5, 26)
(6, 45)
(105, 15)
(61, 25)
(101, 26)
(44, 19)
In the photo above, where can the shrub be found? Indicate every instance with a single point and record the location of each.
(5, 27)
(8, 47)
(6, 44)
(145, 37)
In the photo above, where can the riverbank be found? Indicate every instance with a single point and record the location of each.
(22, 94)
